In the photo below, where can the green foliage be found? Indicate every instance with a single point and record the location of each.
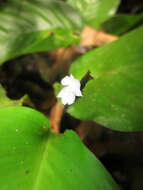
(33, 158)
(114, 98)
(5, 101)
(95, 12)
(120, 24)
(38, 25)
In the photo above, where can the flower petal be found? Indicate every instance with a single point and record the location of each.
(71, 100)
(65, 81)
(72, 89)
(68, 100)
(61, 93)
(78, 92)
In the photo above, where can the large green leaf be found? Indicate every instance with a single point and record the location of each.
(33, 158)
(114, 98)
(36, 25)
(95, 12)
(121, 23)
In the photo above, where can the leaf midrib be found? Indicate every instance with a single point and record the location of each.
(43, 153)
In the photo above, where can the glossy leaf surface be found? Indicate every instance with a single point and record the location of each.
(95, 12)
(33, 158)
(36, 25)
(114, 98)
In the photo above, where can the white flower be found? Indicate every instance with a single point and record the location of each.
(70, 91)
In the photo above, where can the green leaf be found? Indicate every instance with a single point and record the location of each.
(36, 25)
(120, 24)
(33, 158)
(115, 97)
(95, 12)
(5, 101)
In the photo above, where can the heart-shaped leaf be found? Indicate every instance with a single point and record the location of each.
(34, 158)
(114, 98)
(36, 25)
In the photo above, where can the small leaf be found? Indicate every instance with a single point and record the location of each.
(115, 97)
